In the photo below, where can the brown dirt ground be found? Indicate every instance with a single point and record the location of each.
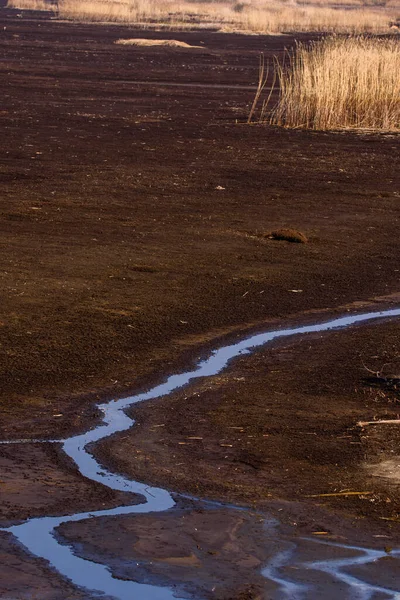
(121, 257)
(118, 251)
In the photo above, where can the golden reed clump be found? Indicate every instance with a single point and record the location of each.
(341, 83)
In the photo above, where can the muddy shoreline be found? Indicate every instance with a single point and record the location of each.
(282, 423)
(354, 558)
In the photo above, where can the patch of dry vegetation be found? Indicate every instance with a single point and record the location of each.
(257, 16)
(341, 83)
(146, 42)
(31, 4)
(123, 11)
(278, 17)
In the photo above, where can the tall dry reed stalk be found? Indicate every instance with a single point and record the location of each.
(341, 83)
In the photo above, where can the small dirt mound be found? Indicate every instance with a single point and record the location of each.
(288, 235)
(145, 42)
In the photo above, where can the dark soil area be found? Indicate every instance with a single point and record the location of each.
(119, 250)
(136, 208)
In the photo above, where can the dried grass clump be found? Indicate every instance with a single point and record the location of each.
(341, 83)
(170, 13)
(288, 235)
(119, 11)
(280, 17)
(32, 5)
(146, 42)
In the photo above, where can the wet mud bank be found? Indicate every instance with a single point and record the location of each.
(301, 418)
(38, 535)
(39, 479)
(204, 552)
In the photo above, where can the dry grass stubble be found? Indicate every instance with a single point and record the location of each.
(254, 16)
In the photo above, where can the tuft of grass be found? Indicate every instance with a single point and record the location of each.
(288, 235)
(339, 83)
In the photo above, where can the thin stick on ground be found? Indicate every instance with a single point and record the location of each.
(380, 422)
(262, 81)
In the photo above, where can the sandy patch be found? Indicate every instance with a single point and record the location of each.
(145, 42)
(387, 469)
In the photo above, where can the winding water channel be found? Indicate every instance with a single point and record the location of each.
(37, 534)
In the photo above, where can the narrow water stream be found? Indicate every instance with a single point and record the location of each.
(37, 534)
